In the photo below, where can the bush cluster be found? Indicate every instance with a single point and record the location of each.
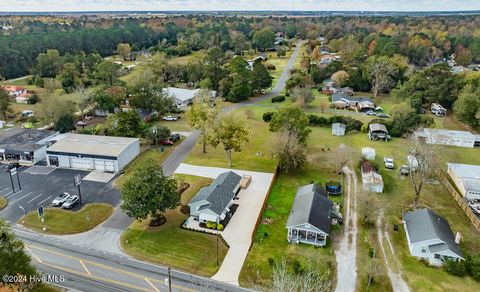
(267, 117)
(278, 98)
(351, 124)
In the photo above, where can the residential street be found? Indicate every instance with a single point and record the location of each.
(346, 253)
(175, 159)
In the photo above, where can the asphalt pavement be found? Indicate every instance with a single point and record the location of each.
(40, 185)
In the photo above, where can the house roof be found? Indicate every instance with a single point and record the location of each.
(465, 170)
(424, 224)
(13, 88)
(453, 134)
(345, 97)
(23, 140)
(91, 144)
(378, 127)
(338, 126)
(183, 94)
(219, 193)
(311, 206)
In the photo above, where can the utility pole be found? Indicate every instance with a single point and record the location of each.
(18, 180)
(11, 180)
(77, 180)
(217, 248)
(169, 281)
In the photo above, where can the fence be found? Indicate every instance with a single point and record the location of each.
(460, 201)
(259, 219)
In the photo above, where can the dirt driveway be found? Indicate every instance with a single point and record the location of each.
(238, 232)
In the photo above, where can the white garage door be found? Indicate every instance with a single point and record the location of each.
(109, 166)
(100, 165)
(81, 163)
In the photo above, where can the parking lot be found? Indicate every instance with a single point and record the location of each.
(40, 185)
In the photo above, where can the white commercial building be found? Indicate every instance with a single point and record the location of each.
(90, 152)
(447, 137)
(467, 179)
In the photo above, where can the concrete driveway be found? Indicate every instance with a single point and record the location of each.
(239, 230)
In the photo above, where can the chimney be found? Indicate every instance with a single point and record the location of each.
(457, 238)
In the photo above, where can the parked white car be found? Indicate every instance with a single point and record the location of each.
(475, 206)
(60, 199)
(71, 202)
(169, 118)
(389, 162)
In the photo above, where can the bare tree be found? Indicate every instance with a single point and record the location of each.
(380, 71)
(302, 95)
(341, 156)
(84, 99)
(315, 277)
(368, 207)
(423, 165)
(289, 152)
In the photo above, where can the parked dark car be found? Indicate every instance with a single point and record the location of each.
(175, 137)
(383, 116)
(166, 142)
(12, 165)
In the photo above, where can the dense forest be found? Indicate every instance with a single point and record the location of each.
(421, 39)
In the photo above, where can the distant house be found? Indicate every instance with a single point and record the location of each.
(310, 218)
(342, 101)
(372, 181)
(377, 132)
(184, 97)
(467, 179)
(212, 203)
(14, 90)
(330, 87)
(259, 58)
(449, 137)
(459, 69)
(338, 129)
(23, 98)
(429, 237)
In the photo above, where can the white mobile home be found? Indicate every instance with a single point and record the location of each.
(467, 179)
(447, 137)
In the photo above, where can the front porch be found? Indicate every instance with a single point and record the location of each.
(296, 235)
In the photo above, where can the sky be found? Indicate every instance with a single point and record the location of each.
(202, 5)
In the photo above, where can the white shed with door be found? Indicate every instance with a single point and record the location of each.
(90, 152)
(368, 153)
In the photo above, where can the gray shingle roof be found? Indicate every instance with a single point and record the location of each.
(219, 193)
(343, 96)
(424, 225)
(311, 206)
(378, 127)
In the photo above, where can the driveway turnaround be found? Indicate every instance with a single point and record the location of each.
(238, 233)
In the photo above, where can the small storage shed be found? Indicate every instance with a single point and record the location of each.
(368, 153)
(338, 129)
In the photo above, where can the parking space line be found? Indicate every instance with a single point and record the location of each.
(4, 190)
(25, 196)
(34, 255)
(150, 283)
(11, 194)
(34, 198)
(44, 200)
(8, 194)
(85, 267)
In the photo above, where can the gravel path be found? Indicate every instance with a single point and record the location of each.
(346, 253)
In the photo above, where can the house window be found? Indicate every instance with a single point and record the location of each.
(424, 249)
(437, 256)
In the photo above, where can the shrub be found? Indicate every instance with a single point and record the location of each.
(316, 121)
(33, 99)
(270, 67)
(278, 98)
(219, 227)
(456, 268)
(211, 225)
(267, 117)
(364, 129)
(271, 261)
(185, 209)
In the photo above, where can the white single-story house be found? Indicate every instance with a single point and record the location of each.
(338, 129)
(22, 98)
(372, 181)
(212, 203)
(184, 97)
(467, 179)
(429, 237)
(341, 100)
(24, 145)
(310, 218)
(377, 132)
(91, 152)
(447, 137)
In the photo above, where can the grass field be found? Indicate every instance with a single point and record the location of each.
(171, 245)
(3, 202)
(60, 221)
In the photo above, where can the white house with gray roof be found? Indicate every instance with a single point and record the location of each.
(310, 218)
(429, 237)
(184, 97)
(448, 137)
(467, 179)
(212, 203)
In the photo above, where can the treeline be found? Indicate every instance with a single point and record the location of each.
(19, 52)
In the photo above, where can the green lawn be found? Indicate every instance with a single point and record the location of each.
(3, 202)
(259, 143)
(191, 251)
(151, 154)
(270, 242)
(60, 221)
(180, 125)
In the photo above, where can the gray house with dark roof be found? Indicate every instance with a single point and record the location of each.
(310, 218)
(429, 237)
(212, 203)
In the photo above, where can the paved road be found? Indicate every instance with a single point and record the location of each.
(91, 270)
(176, 158)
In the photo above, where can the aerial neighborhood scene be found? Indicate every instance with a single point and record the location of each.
(287, 146)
